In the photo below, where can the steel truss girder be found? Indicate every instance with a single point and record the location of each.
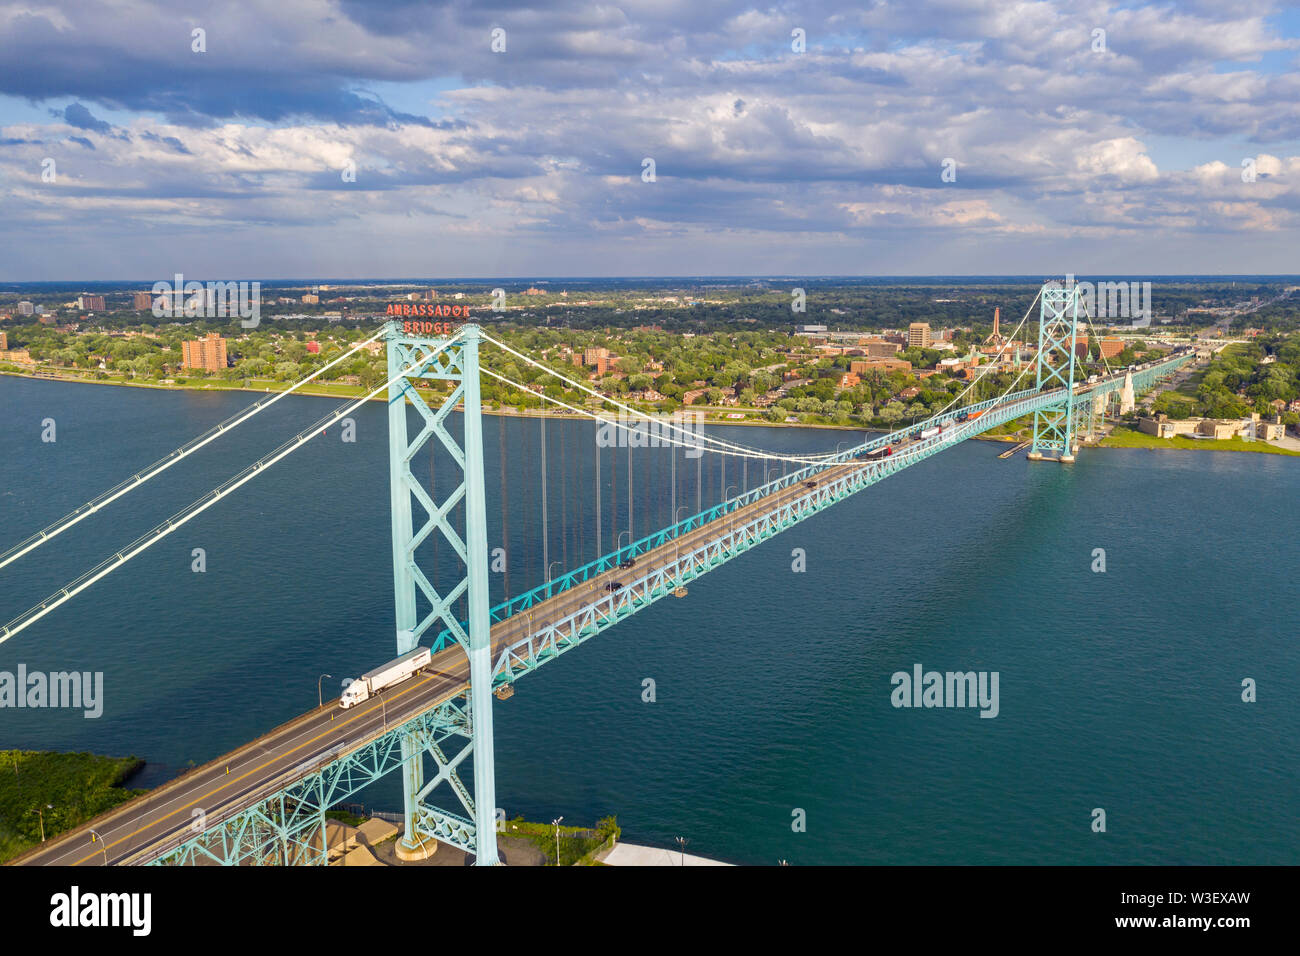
(564, 582)
(550, 639)
(285, 826)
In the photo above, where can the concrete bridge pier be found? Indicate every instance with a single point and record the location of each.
(1127, 400)
(419, 851)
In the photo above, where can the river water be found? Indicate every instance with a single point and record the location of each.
(772, 735)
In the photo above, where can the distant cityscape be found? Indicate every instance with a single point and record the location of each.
(728, 353)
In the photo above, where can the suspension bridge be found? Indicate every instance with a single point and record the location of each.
(265, 802)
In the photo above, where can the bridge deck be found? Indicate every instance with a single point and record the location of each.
(239, 777)
(148, 825)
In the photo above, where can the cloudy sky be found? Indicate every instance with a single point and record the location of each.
(360, 138)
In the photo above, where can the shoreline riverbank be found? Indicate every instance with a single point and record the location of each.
(1234, 446)
(311, 393)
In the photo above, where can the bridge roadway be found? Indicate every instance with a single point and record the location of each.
(144, 827)
(241, 778)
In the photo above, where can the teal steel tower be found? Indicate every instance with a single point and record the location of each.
(457, 363)
(1058, 329)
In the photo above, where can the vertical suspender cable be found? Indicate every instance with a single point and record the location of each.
(564, 504)
(505, 507)
(580, 512)
(672, 456)
(546, 539)
(699, 484)
(613, 494)
(530, 523)
(599, 550)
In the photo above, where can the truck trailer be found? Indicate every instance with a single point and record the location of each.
(386, 675)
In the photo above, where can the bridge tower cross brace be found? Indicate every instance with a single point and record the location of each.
(458, 364)
(1058, 329)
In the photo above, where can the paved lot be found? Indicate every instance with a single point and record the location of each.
(629, 854)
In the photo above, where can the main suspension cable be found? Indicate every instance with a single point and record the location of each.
(742, 453)
(197, 507)
(619, 405)
(158, 467)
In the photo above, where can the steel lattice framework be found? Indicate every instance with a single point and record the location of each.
(284, 823)
(1058, 329)
(457, 364)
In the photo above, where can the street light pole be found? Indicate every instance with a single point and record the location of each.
(320, 700)
(681, 842)
(556, 823)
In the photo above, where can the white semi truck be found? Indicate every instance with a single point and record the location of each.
(386, 675)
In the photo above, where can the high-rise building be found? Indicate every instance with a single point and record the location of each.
(430, 295)
(91, 303)
(4, 341)
(311, 299)
(207, 353)
(918, 335)
(26, 308)
(141, 300)
(594, 354)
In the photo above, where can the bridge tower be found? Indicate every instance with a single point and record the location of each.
(1058, 328)
(459, 365)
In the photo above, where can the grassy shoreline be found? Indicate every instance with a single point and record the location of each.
(1128, 437)
(68, 788)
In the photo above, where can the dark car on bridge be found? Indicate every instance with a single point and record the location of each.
(627, 563)
(614, 586)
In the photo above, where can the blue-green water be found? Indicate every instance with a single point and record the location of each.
(1119, 690)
